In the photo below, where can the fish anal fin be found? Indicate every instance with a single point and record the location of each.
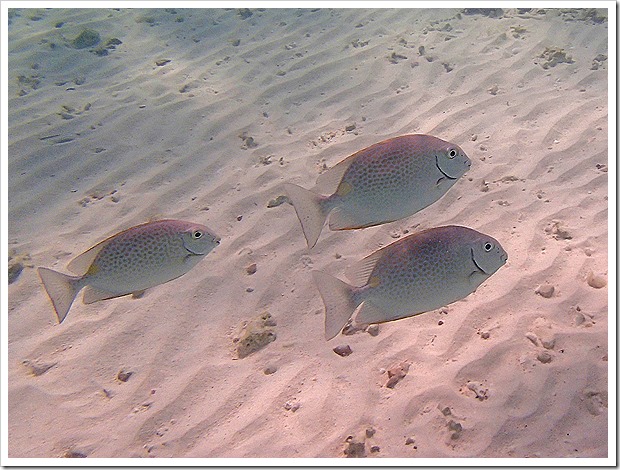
(92, 295)
(370, 313)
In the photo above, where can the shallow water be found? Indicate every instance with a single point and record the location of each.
(203, 115)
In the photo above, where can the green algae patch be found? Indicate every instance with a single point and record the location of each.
(87, 38)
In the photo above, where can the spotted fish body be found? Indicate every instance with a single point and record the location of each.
(130, 262)
(385, 182)
(422, 272)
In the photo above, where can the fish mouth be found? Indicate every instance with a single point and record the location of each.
(193, 253)
(441, 171)
(476, 264)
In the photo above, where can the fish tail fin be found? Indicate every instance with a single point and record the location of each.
(339, 302)
(61, 290)
(310, 210)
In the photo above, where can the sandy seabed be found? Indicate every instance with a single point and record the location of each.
(202, 115)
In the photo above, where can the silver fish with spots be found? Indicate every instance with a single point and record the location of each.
(385, 182)
(130, 262)
(421, 272)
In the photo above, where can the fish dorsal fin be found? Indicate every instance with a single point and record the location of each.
(327, 182)
(80, 264)
(359, 272)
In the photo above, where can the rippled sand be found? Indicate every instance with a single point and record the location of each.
(242, 102)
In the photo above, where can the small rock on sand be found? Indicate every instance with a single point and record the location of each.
(373, 330)
(270, 369)
(553, 56)
(74, 454)
(545, 291)
(544, 357)
(123, 375)
(355, 447)
(456, 429)
(343, 350)
(596, 280)
(396, 373)
(292, 405)
(254, 335)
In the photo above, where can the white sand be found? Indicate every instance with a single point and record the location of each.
(503, 373)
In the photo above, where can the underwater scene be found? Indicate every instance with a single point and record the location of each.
(308, 233)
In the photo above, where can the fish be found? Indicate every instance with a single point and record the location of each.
(129, 262)
(387, 181)
(419, 273)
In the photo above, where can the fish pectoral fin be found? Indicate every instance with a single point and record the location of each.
(91, 295)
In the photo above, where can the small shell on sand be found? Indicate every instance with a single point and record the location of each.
(254, 334)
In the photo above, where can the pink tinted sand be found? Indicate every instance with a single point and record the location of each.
(245, 103)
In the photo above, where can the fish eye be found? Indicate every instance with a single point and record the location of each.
(197, 234)
(452, 153)
(488, 246)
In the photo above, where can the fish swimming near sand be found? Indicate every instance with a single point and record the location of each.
(130, 262)
(387, 181)
(421, 272)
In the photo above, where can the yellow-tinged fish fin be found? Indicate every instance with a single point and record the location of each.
(359, 273)
(92, 295)
(61, 290)
(340, 219)
(338, 300)
(310, 211)
(327, 183)
(344, 188)
(370, 313)
(81, 264)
